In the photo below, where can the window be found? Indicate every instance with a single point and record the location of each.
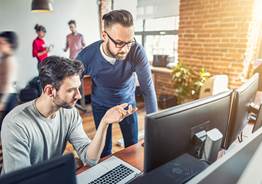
(158, 36)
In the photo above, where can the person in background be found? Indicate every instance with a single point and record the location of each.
(112, 64)
(40, 50)
(74, 41)
(8, 72)
(40, 129)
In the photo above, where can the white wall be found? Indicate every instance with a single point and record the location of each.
(16, 15)
(129, 5)
(157, 8)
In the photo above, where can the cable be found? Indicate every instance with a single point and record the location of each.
(240, 137)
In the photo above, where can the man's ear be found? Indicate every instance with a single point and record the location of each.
(103, 35)
(49, 90)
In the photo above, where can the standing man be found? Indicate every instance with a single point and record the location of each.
(112, 64)
(74, 41)
(39, 130)
(8, 72)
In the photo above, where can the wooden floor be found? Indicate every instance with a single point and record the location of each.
(89, 126)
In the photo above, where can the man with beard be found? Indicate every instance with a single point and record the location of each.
(112, 64)
(39, 130)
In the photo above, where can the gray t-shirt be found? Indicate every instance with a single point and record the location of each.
(29, 138)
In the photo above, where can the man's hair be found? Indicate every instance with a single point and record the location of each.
(122, 17)
(11, 38)
(55, 69)
(72, 22)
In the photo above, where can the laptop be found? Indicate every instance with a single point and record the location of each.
(111, 171)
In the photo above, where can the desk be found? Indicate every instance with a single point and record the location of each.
(86, 89)
(134, 155)
(87, 85)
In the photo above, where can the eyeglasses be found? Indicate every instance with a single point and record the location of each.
(121, 44)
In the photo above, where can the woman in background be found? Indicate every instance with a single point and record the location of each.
(8, 72)
(40, 50)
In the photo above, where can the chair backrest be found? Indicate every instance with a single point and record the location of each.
(32, 90)
(214, 85)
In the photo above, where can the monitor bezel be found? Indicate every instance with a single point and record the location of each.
(151, 118)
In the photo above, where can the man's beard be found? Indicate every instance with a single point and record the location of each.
(61, 103)
(118, 56)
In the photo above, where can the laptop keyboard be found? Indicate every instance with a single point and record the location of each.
(113, 176)
(111, 171)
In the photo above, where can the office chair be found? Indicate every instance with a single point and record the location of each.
(214, 85)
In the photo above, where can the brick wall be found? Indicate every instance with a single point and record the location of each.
(163, 83)
(104, 6)
(220, 35)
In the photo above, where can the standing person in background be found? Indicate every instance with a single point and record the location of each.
(112, 64)
(8, 71)
(40, 50)
(74, 41)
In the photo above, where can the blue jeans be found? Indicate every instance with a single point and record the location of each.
(128, 126)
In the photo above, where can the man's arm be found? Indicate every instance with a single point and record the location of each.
(10, 68)
(90, 152)
(114, 115)
(67, 45)
(83, 41)
(144, 76)
(15, 147)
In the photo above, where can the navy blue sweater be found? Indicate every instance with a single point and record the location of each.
(113, 84)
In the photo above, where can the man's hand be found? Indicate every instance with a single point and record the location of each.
(2, 107)
(113, 115)
(47, 49)
(118, 113)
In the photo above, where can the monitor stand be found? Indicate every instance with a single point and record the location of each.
(179, 170)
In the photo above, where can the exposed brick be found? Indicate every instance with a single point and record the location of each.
(104, 6)
(218, 35)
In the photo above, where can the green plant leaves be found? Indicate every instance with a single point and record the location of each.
(188, 82)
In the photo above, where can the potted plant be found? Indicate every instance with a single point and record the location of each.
(187, 82)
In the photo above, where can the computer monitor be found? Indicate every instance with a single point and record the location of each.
(258, 122)
(168, 133)
(243, 96)
(237, 162)
(59, 170)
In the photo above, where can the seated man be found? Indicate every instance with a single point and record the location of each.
(39, 130)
